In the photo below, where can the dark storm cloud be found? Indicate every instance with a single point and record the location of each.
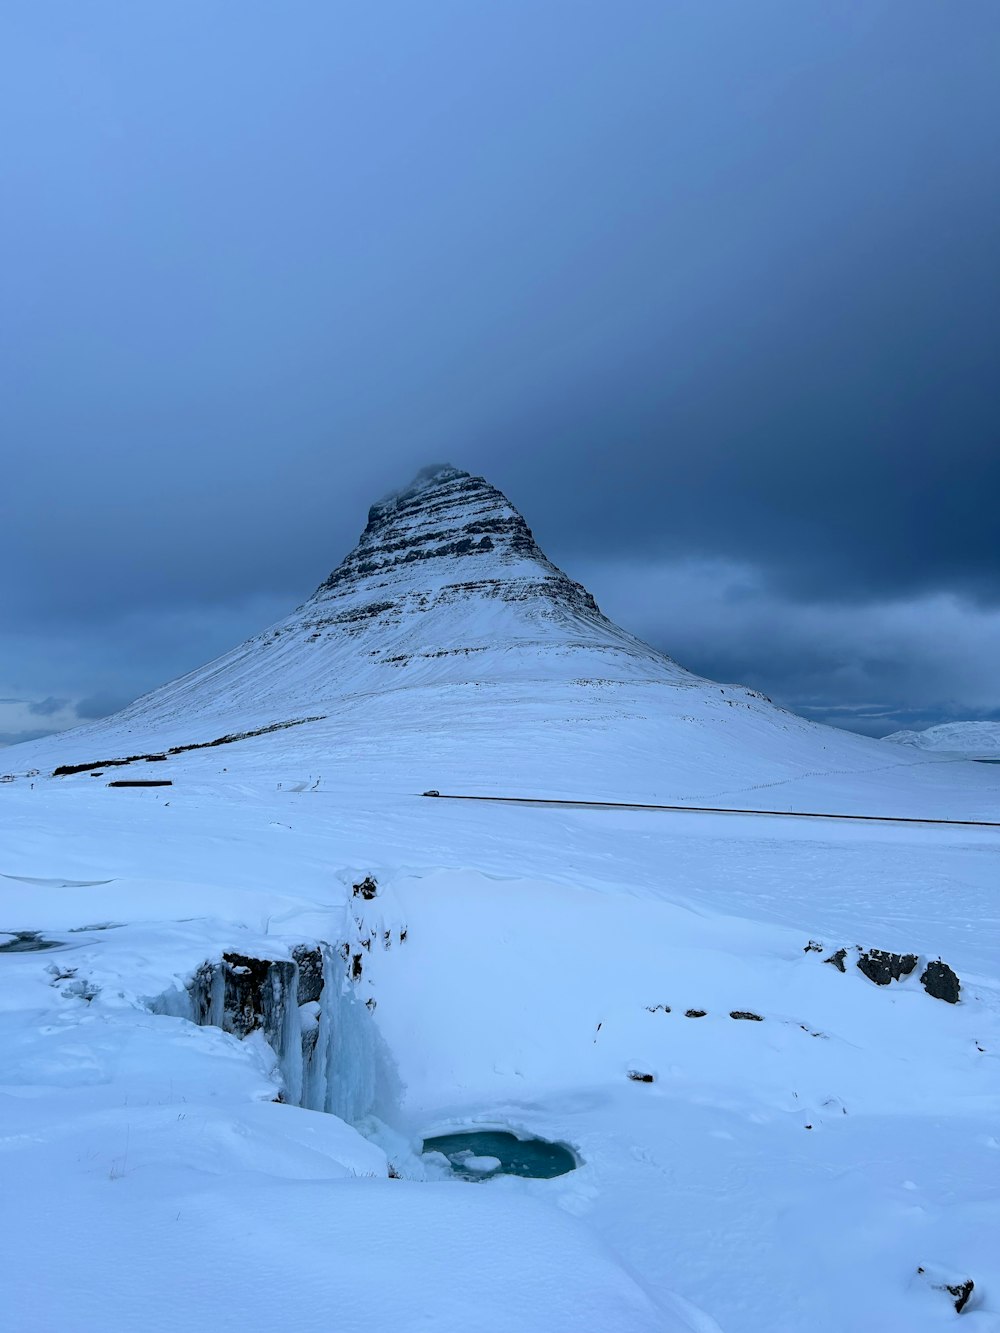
(100, 705)
(17, 737)
(877, 667)
(684, 279)
(47, 707)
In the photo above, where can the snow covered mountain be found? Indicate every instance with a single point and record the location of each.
(446, 623)
(238, 1010)
(446, 586)
(971, 740)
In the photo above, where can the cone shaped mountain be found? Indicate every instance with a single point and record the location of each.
(446, 585)
(447, 649)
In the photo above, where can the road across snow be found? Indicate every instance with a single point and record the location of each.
(712, 810)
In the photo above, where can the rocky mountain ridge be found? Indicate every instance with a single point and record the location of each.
(448, 535)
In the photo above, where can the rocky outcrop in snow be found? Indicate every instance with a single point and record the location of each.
(325, 1044)
(304, 1002)
(882, 967)
(939, 980)
(958, 1288)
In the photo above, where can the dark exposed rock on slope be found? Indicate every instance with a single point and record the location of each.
(883, 967)
(940, 981)
(65, 770)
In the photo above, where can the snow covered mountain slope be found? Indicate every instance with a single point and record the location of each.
(449, 646)
(445, 587)
(765, 1139)
(971, 740)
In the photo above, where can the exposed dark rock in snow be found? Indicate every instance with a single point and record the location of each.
(310, 964)
(939, 980)
(367, 889)
(882, 967)
(637, 1076)
(813, 946)
(959, 1289)
(65, 770)
(310, 1039)
(695, 1013)
(745, 1014)
(255, 994)
(960, 1292)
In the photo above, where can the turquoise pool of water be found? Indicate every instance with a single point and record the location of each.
(536, 1158)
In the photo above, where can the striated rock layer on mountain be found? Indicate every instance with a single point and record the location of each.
(446, 539)
(446, 515)
(451, 563)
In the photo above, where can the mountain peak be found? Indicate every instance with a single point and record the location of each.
(429, 476)
(452, 526)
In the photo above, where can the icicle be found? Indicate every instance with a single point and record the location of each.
(324, 1038)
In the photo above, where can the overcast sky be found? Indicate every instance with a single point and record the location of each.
(709, 288)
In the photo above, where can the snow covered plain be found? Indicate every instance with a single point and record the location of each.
(517, 964)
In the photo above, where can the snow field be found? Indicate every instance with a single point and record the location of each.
(787, 1175)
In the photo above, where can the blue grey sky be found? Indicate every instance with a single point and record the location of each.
(710, 288)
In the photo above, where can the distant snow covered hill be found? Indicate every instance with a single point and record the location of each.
(447, 645)
(972, 740)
